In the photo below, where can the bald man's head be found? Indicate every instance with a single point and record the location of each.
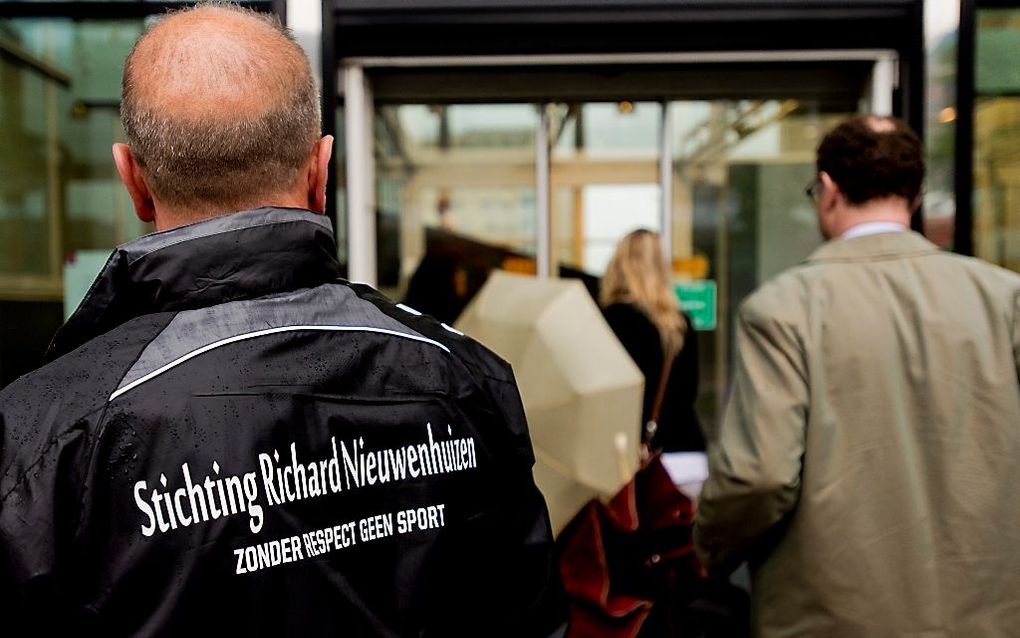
(220, 109)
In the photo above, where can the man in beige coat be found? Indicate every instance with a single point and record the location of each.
(868, 465)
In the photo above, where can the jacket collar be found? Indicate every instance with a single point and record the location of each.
(873, 247)
(239, 256)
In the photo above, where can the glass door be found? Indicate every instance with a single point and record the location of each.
(604, 179)
(455, 193)
(470, 173)
(739, 213)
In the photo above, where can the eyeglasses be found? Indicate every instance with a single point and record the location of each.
(814, 189)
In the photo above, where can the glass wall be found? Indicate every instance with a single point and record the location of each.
(61, 204)
(60, 113)
(456, 198)
(28, 142)
(740, 215)
(455, 186)
(340, 188)
(604, 178)
(941, 26)
(997, 137)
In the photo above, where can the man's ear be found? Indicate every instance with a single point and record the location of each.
(318, 173)
(131, 175)
(830, 195)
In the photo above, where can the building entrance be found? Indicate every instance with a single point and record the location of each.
(541, 167)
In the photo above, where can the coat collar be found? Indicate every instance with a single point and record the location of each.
(238, 256)
(873, 247)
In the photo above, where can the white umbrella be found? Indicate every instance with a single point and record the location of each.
(582, 392)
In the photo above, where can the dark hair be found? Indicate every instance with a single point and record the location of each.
(872, 157)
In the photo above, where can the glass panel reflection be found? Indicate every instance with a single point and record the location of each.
(60, 108)
(27, 104)
(604, 178)
(997, 138)
(455, 178)
(62, 207)
(997, 180)
(738, 207)
(340, 188)
(942, 21)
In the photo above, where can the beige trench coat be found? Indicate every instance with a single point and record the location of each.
(868, 464)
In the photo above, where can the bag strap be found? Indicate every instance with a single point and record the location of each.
(648, 432)
(660, 393)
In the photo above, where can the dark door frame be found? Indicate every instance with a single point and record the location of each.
(420, 28)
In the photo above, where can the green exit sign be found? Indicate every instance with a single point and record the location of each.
(698, 300)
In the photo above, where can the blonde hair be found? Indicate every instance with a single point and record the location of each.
(637, 274)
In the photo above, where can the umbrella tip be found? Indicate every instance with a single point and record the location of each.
(623, 463)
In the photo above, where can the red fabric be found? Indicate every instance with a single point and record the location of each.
(610, 553)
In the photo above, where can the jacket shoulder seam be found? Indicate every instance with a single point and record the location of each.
(101, 425)
(64, 433)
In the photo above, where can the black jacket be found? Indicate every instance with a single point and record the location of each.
(679, 429)
(231, 441)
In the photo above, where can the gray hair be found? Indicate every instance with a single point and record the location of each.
(204, 161)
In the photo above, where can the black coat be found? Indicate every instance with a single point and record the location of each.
(233, 442)
(679, 429)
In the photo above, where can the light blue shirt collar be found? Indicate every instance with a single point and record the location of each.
(872, 228)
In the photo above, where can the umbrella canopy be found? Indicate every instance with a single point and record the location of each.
(582, 392)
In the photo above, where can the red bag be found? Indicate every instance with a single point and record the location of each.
(627, 563)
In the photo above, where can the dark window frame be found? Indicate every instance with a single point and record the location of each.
(966, 95)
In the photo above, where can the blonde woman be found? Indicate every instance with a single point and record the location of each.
(638, 301)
